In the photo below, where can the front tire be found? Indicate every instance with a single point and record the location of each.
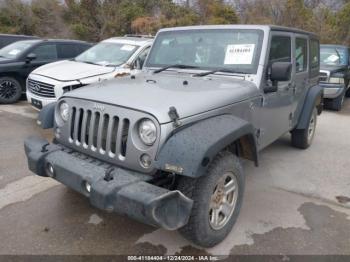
(302, 138)
(10, 90)
(217, 200)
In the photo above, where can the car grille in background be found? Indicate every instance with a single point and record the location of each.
(99, 132)
(323, 77)
(41, 89)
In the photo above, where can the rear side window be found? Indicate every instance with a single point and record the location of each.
(314, 54)
(46, 52)
(69, 50)
(280, 50)
(301, 56)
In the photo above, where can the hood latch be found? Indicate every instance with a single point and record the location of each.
(174, 116)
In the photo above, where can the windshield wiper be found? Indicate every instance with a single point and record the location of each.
(173, 66)
(223, 70)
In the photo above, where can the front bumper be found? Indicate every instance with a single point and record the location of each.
(332, 91)
(112, 188)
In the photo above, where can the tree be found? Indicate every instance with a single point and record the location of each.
(16, 18)
(48, 18)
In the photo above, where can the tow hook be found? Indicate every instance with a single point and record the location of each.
(109, 174)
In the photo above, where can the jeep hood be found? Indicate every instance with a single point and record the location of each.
(69, 70)
(155, 94)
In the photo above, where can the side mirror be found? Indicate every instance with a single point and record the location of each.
(138, 64)
(280, 71)
(30, 57)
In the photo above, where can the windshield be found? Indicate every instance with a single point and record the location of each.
(209, 49)
(14, 50)
(107, 54)
(334, 56)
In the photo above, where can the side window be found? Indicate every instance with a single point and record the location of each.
(67, 50)
(281, 49)
(301, 54)
(143, 55)
(314, 54)
(45, 52)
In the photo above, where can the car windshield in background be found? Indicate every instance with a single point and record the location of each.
(107, 54)
(334, 56)
(16, 49)
(235, 50)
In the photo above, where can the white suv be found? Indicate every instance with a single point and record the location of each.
(111, 58)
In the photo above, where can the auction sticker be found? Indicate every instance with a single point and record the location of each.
(239, 54)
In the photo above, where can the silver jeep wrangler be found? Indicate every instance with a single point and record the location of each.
(164, 147)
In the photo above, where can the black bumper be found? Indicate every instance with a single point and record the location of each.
(121, 191)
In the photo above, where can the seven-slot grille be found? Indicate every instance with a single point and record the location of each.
(41, 89)
(99, 132)
(323, 77)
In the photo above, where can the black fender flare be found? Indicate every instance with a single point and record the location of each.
(190, 150)
(314, 98)
(46, 118)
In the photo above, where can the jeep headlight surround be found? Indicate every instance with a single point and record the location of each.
(62, 113)
(147, 131)
(336, 80)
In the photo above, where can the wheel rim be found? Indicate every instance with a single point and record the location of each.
(7, 89)
(312, 127)
(223, 201)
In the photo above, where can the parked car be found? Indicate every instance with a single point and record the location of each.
(18, 59)
(6, 39)
(114, 57)
(165, 147)
(335, 75)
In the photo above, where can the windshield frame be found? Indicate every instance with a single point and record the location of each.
(336, 49)
(121, 43)
(256, 60)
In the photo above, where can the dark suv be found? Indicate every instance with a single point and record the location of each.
(335, 75)
(18, 59)
(6, 39)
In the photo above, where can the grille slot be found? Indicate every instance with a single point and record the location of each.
(323, 77)
(41, 89)
(98, 132)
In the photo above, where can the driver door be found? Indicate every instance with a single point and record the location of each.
(277, 106)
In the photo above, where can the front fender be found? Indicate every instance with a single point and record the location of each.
(47, 116)
(190, 150)
(313, 99)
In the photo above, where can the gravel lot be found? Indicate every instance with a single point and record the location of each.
(291, 203)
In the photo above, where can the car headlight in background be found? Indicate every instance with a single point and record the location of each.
(336, 80)
(147, 132)
(64, 111)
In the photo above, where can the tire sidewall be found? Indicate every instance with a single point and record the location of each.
(18, 91)
(204, 189)
(309, 141)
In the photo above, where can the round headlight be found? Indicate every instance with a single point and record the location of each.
(148, 132)
(64, 111)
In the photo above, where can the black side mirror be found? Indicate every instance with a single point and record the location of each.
(280, 71)
(138, 64)
(30, 57)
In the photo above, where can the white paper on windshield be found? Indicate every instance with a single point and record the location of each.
(127, 47)
(14, 52)
(239, 54)
(333, 58)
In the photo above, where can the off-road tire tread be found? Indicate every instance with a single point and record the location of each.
(300, 137)
(192, 188)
